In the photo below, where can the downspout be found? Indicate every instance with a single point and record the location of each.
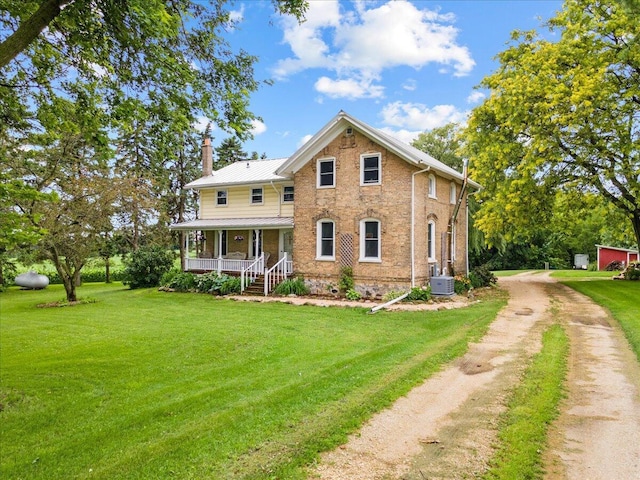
(454, 217)
(413, 225)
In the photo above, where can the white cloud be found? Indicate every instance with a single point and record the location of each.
(201, 124)
(418, 117)
(257, 127)
(362, 43)
(410, 84)
(476, 97)
(304, 140)
(351, 88)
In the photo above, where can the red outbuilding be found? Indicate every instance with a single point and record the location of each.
(606, 255)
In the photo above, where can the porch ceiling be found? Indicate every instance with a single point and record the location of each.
(234, 223)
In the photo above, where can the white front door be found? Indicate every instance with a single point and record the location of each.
(286, 244)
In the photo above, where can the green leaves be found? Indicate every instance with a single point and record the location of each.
(560, 113)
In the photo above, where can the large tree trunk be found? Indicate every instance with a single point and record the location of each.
(107, 273)
(635, 221)
(29, 30)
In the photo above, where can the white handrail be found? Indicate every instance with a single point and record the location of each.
(276, 274)
(253, 270)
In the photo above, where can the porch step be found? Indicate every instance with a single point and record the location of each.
(256, 288)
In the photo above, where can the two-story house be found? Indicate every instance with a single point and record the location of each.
(352, 196)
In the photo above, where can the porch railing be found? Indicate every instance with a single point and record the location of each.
(277, 273)
(253, 271)
(217, 264)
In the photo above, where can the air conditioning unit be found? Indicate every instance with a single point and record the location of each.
(443, 286)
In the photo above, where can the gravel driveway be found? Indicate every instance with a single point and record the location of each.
(445, 428)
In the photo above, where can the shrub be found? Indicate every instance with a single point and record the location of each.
(182, 282)
(230, 285)
(146, 266)
(461, 284)
(632, 272)
(419, 294)
(352, 295)
(614, 266)
(391, 294)
(169, 276)
(346, 282)
(292, 287)
(481, 276)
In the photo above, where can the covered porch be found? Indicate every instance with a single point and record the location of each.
(246, 247)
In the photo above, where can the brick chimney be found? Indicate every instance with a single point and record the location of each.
(207, 157)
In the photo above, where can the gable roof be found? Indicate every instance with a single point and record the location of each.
(340, 122)
(242, 173)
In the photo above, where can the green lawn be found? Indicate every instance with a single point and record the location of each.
(143, 384)
(621, 298)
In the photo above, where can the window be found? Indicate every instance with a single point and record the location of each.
(287, 194)
(370, 241)
(221, 198)
(432, 186)
(326, 173)
(325, 249)
(256, 195)
(453, 194)
(431, 241)
(370, 169)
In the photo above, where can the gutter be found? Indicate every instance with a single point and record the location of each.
(454, 217)
(413, 226)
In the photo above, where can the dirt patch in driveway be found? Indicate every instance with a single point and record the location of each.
(446, 428)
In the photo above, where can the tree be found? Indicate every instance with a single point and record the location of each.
(68, 158)
(229, 151)
(442, 143)
(560, 114)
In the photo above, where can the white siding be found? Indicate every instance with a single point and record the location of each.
(239, 203)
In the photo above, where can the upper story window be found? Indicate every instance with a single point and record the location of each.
(287, 194)
(453, 193)
(221, 198)
(370, 169)
(326, 240)
(327, 173)
(370, 241)
(432, 186)
(256, 196)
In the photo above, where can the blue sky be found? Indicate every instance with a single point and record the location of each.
(403, 66)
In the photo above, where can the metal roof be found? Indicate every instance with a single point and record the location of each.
(234, 223)
(242, 173)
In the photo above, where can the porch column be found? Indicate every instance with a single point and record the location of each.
(186, 250)
(219, 252)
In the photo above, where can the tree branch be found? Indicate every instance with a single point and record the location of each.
(28, 31)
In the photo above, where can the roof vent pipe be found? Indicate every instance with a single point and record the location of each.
(207, 157)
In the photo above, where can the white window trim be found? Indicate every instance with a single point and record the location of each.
(283, 193)
(431, 240)
(251, 202)
(378, 258)
(319, 256)
(226, 196)
(322, 160)
(369, 155)
(453, 193)
(432, 191)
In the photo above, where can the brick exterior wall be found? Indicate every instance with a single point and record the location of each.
(390, 203)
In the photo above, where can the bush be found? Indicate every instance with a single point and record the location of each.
(391, 294)
(481, 276)
(292, 287)
(181, 282)
(352, 295)
(230, 286)
(461, 284)
(346, 282)
(419, 294)
(146, 267)
(632, 272)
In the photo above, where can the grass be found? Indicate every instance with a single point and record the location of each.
(533, 406)
(582, 274)
(621, 298)
(144, 384)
